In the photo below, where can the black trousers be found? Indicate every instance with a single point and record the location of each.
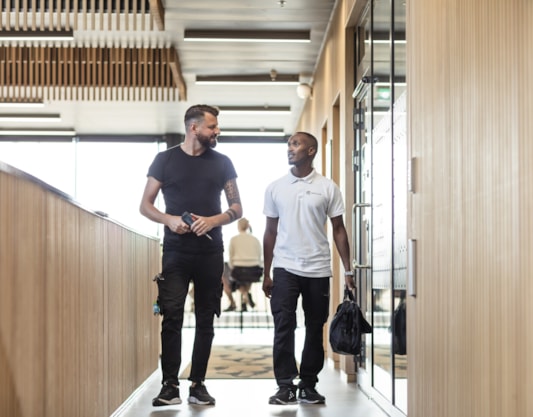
(315, 303)
(205, 271)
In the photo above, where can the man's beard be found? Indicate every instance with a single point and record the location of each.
(206, 141)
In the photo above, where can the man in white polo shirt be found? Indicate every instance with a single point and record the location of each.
(296, 247)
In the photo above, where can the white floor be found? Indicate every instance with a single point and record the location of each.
(249, 398)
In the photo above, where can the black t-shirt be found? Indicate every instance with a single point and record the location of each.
(193, 184)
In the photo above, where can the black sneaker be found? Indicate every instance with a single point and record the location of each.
(199, 395)
(169, 395)
(284, 396)
(309, 395)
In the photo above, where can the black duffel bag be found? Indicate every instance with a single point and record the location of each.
(246, 274)
(347, 327)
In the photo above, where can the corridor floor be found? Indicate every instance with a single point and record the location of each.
(249, 397)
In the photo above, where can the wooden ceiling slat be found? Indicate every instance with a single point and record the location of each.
(150, 73)
(60, 71)
(157, 12)
(7, 14)
(128, 72)
(105, 73)
(99, 75)
(24, 69)
(54, 77)
(34, 15)
(134, 15)
(75, 17)
(143, 16)
(84, 15)
(83, 69)
(92, 15)
(17, 67)
(25, 14)
(157, 68)
(41, 18)
(76, 71)
(29, 68)
(58, 9)
(133, 67)
(67, 13)
(46, 62)
(2, 67)
(175, 67)
(51, 15)
(93, 80)
(145, 85)
(126, 15)
(9, 69)
(101, 15)
(17, 21)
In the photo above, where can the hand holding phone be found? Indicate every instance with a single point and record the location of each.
(188, 220)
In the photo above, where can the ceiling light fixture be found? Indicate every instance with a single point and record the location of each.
(30, 118)
(21, 104)
(37, 132)
(280, 79)
(251, 132)
(304, 91)
(283, 36)
(37, 35)
(254, 109)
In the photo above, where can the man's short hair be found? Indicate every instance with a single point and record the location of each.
(314, 141)
(197, 113)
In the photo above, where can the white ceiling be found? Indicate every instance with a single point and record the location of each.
(200, 59)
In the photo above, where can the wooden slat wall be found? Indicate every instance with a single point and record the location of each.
(470, 105)
(30, 15)
(77, 336)
(60, 73)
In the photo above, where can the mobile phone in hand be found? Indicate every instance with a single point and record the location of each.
(188, 220)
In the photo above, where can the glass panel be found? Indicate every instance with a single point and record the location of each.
(400, 207)
(111, 179)
(382, 256)
(362, 218)
(382, 197)
(51, 162)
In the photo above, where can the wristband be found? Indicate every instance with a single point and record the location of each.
(348, 273)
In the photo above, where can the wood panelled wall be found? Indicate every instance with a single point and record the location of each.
(470, 101)
(470, 122)
(77, 336)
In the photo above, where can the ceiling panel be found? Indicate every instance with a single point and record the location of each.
(98, 28)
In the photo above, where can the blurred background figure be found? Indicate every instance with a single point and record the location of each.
(229, 287)
(245, 266)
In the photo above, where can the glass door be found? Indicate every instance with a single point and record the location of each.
(380, 199)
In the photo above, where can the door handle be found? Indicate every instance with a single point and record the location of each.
(357, 223)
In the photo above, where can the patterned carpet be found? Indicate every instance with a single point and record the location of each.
(238, 361)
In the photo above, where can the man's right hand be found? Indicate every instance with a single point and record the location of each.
(267, 285)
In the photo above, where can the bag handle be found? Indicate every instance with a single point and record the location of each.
(348, 294)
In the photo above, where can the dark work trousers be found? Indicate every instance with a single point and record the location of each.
(205, 271)
(315, 302)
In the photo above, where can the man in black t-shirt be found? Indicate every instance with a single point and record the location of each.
(191, 177)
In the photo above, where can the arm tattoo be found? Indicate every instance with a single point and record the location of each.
(231, 214)
(232, 192)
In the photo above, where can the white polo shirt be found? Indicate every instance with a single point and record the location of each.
(303, 206)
